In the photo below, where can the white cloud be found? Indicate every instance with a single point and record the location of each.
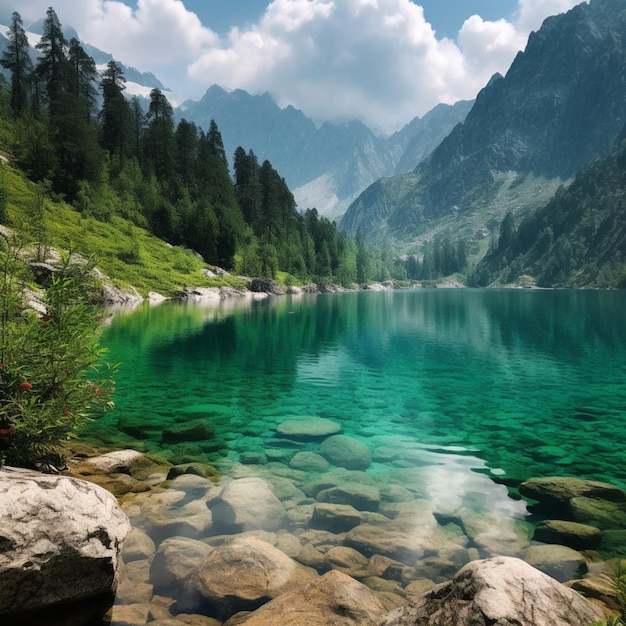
(378, 60)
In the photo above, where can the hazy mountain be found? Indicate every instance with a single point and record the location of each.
(560, 104)
(325, 166)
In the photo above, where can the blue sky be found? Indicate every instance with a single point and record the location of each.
(446, 16)
(381, 61)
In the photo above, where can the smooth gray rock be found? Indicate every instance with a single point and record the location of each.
(347, 452)
(247, 504)
(308, 428)
(503, 590)
(175, 561)
(60, 539)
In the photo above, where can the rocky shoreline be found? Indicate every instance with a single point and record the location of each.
(255, 550)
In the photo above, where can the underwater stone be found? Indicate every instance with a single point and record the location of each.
(245, 573)
(195, 430)
(559, 562)
(247, 504)
(346, 452)
(571, 534)
(308, 428)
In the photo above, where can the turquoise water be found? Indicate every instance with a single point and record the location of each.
(519, 383)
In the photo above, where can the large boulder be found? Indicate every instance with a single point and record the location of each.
(335, 599)
(60, 539)
(556, 491)
(308, 428)
(502, 590)
(246, 504)
(347, 452)
(244, 573)
(170, 513)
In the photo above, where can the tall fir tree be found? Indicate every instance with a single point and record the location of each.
(16, 59)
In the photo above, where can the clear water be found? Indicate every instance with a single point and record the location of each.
(530, 382)
(459, 394)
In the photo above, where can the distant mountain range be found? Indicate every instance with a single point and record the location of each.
(560, 105)
(327, 166)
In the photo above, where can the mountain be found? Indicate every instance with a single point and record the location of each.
(560, 104)
(326, 166)
(137, 83)
(578, 239)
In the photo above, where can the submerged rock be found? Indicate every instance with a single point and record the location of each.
(245, 573)
(571, 534)
(195, 430)
(308, 428)
(59, 543)
(502, 590)
(347, 452)
(555, 491)
(335, 599)
(247, 504)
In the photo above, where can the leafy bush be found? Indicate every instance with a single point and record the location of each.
(52, 376)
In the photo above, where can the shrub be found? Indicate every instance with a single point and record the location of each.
(52, 376)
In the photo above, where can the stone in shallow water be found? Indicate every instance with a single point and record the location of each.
(195, 430)
(333, 599)
(247, 504)
(170, 513)
(336, 518)
(309, 462)
(555, 491)
(559, 562)
(175, 561)
(347, 452)
(361, 497)
(387, 541)
(245, 573)
(603, 513)
(571, 534)
(308, 428)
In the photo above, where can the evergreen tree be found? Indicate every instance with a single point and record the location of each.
(216, 143)
(83, 76)
(16, 59)
(115, 115)
(52, 64)
(159, 143)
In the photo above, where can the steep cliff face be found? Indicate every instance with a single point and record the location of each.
(560, 104)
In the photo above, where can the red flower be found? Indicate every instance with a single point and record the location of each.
(5, 432)
(58, 388)
(45, 318)
(26, 385)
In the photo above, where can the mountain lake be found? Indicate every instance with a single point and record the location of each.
(446, 400)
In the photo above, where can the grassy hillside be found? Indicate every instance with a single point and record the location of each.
(130, 256)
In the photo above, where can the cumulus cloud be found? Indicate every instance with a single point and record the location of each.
(378, 60)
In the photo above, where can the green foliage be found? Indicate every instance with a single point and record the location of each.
(52, 376)
(577, 240)
(172, 179)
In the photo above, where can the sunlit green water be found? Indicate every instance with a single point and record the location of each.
(532, 383)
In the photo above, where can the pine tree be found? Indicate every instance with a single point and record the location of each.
(52, 65)
(83, 76)
(17, 61)
(115, 115)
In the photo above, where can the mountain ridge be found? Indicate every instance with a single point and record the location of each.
(533, 122)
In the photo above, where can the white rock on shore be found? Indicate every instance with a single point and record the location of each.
(59, 540)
